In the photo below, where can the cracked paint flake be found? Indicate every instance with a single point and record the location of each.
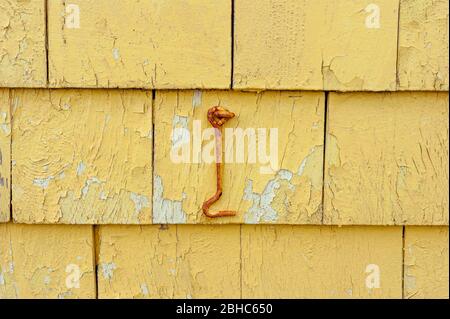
(40, 255)
(22, 43)
(423, 45)
(426, 262)
(92, 164)
(264, 209)
(108, 270)
(386, 159)
(314, 45)
(109, 51)
(164, 209)
(299, 151)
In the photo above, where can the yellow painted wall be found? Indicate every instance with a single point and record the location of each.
(96, 95)
(315, 45)
(184, 261)
(143, 44)
(82, 156)
(46, 261)
(423, 45)
(426, 262)
(386, 159)
(22, 43)
(321, 262)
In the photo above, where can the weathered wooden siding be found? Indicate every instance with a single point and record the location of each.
(103, 108)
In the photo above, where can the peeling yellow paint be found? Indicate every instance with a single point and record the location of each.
(426, 262)
(173, 261)
(160, 44)
(322, 44)
(82, 156)
(281, 261)
(22, 43)
(386, 159)
(5, 156)
(46, 261)
(423, 45)
(291, 194)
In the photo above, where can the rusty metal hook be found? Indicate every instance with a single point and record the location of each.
(218, 116)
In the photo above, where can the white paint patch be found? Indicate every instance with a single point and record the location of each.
(144, 289)
(6, 127)
(302, 166)
(89, 182)
(140, 202)
(166, 210)
(116, 54)
(103, 196)
(262, 209)
(81, 168)
(2, 279)
(197, 98)
(65, 294)
(43, 182)
(72, 16)
(108, 270)
(180, 132)
(47, 280)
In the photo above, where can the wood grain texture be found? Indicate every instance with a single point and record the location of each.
(140, 44)
(281, 261)
(314, 45)
(45, 261)
(291, 193)
(22, 44)
(426, 262)
(5, 156)
(184, 261)
(423, 45)
(386, 159)
(82, 156)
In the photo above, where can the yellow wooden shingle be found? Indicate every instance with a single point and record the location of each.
(423, 45)
(46, 261)
(426, 262)
(281, 261)
(140, 44)
(183, 261)
(265, 182)
(22, 43)
(386, 159)
(5, 156)
(321, 44)
(82, 156)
